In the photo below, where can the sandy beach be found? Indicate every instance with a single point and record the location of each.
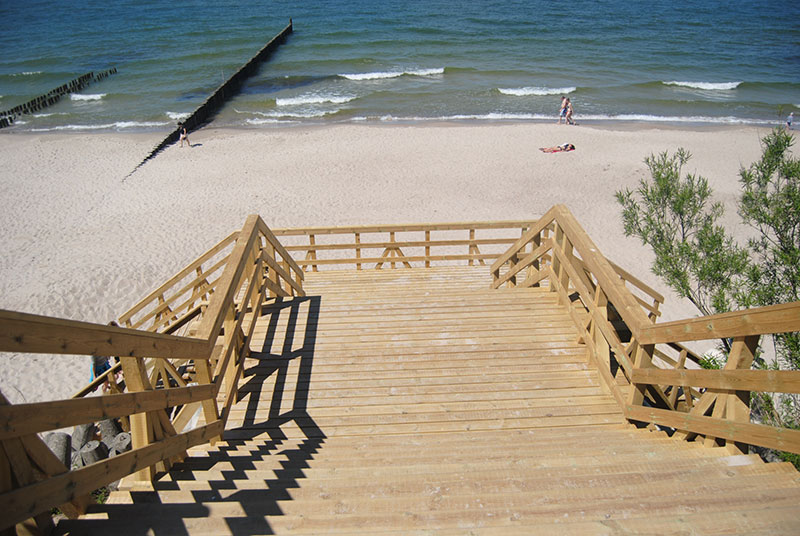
(83, 240)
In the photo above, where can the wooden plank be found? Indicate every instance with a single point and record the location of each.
(523, 263)
(606, 277)
(528, 236)
(228, 285)
(752, 434)
(769, 381)
(23, 332)
(273, 240)
(22, 419)
(382, 260)
(273, 265)
(410, 227)
(33, 499)
(198, 287)
(758, 321)
(401, 244)
(633, 280)
(225, 242)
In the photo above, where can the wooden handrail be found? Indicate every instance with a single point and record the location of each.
(409, 227)
(174, 280)
(22, 503)
(780, 318)
(779, 381)
(257, 262)
(393, 249)
(607, 278)
(274, 242)
(712, 403)
(23, 419)
(24, 332)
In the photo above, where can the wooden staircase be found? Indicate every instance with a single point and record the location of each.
(422, 402)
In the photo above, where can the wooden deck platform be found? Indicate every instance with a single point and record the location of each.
(422, 402)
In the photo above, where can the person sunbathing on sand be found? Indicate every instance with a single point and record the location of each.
(564, 147)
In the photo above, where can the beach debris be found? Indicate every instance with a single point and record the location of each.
(93, 451)
(53, 96)
(121, 443)
(60, 444)
(223, 93)
(82, 434)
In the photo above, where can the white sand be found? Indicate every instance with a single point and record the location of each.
(80, 241)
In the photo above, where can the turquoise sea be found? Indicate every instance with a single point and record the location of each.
(707, 61)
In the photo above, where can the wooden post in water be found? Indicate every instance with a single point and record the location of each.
(227, 90)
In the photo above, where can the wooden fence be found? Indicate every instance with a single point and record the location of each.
(227, 90)
(181, 349)
(652, 376)
(168, 378)
(374, 246)
(53, 96)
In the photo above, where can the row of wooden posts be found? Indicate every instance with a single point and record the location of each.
(223, 93)
(53, 96)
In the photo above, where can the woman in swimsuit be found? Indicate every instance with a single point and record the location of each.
(564, 147)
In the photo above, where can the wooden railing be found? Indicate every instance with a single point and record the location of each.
(167, 378)
(373, 246)
(653, 377)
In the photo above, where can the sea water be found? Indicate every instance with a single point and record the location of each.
(707, 61)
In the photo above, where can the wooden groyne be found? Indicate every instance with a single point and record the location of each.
(53, 96)
(223, 93)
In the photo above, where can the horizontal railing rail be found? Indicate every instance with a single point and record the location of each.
(400, 245)
(166, 382)
(654, 378)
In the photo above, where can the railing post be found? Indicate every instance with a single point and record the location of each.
(393, 250)
(534, 266)
(471, 245)
(735, 405)
(427, 249)
(601, 346)
(311, 254)
(358, 250)
(136, 380)
(273, 275)
(643, 359)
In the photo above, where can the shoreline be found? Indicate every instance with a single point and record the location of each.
(604, 124)
(83, 240)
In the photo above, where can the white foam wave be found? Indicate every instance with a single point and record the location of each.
(294, 115)
(177, 116)
(710, 86)
(538, 91)
(392, 74)
(265, 121)
(461, 117)
(89, 97)
(644, 118)
(728, 120)
(27, 73)
(313, 99)
(105, 126)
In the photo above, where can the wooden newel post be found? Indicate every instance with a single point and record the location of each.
(136, 380)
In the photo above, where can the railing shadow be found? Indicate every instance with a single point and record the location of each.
(254, 450)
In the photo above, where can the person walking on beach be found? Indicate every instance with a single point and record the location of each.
(562, 111)
(183, 135)
(789, 121)
(570, 111)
